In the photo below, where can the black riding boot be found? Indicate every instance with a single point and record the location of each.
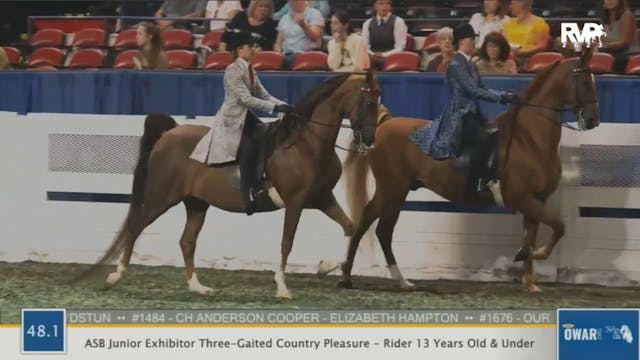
(247, 164)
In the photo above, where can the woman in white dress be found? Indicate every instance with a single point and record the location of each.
(347, 50)
(492, 19)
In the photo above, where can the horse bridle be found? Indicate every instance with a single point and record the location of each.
(360, 103)
(578, 107)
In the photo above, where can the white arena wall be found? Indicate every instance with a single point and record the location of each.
(47, 154)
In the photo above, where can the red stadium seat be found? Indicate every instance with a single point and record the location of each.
(181, 59)
(13, 54)
(311, 61)
(541, 60)
(86, 58)
(218, 60)
(402, 61)
(48, 37)
(633, 66)
(89, 38)
(177, 39)
(267, 60)
(411, 43)
(46, 56)
(43, 68)
(124, 60)
(601, 63)
(212, 40)
(126, 39)
(431, 43)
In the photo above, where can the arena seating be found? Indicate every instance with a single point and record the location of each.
(86, 59)
(402, 61)
(423, 20)
(267, 60)
(633, 66)
(13, 54)
(311, 61)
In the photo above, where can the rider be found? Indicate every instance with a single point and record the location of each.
(462, 125)
(236, 129)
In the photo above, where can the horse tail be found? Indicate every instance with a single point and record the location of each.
(154, 126)
(356, 168)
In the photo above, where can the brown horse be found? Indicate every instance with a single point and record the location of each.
(303, 169)
(529, 166)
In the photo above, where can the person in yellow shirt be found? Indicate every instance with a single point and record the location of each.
(526, 33)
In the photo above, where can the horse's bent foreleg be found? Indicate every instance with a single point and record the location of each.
(528, 244)
(333, 210)
(196, 212)
(291, 219)
(536, 211)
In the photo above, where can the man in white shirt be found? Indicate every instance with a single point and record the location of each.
(384, 34)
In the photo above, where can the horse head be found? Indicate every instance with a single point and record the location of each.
(575, 87)
(365, 118)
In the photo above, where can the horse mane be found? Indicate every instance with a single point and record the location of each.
(506, 120)
(311, 99)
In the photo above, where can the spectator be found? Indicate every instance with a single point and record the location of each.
(384, 34)
(179, 9)
(320, 5)
(492, 19)
(526, 33)
(4, 60)
(620, 25)
(439, 62)
(299, 31)
(151, 56)
(494, 56)
(256, 20)
(221, 11)
(347, 51)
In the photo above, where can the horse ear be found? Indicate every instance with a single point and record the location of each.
(371, 78)
(587, 53)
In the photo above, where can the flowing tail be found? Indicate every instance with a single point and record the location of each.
(356, 167)
(154, 126)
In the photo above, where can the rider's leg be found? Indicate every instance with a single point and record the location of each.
(247, 160)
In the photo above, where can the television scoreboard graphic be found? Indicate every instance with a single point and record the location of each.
(564, 334)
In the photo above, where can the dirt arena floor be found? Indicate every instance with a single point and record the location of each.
(33, 284)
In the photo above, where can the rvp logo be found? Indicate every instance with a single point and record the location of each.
(591, 32)
(572, 333)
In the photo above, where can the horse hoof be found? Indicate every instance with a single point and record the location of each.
(407, 285)
(523, 254)
(345, 284)
(204, 290)
(284, 295)
(534, 289)
(112, 280)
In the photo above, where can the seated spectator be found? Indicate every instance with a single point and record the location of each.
(620, 25)
(320, 5)
(256, 20)
(299, 31)
(493, 58)
(526, 33)
(347, 51)
(4, 60)
(492, 19)
(384, 34)
(151, 55)
(179, 9)
(222, 11)
(439, 62)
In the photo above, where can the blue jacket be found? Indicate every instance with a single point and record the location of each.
(442, 138)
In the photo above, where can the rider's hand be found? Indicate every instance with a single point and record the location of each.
(509, 97)
(283, 108)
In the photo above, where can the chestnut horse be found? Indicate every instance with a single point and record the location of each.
(303, 169)
(529, 166)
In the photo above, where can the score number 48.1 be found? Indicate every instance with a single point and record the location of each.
(41, 331)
